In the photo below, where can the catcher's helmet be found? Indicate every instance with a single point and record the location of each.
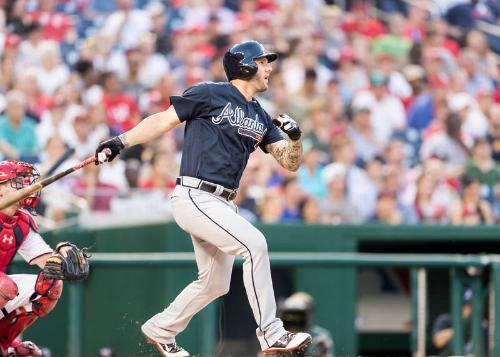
(239, 60)
(20, 174)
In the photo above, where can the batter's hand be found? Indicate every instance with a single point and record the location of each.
(288, 125)
(111, 148)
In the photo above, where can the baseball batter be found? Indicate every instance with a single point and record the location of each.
(224, 124)
(23, 297)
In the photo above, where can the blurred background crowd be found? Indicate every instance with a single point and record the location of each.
(399, 102)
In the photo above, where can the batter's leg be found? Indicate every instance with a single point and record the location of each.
(214, 276)
(216, 221)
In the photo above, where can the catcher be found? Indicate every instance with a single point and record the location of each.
(26, 297)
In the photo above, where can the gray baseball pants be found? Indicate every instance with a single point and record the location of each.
(218, 234)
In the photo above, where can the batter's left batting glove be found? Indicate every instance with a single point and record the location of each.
(114, 146)
(288, 125)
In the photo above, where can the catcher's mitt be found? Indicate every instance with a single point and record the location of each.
(73, 266)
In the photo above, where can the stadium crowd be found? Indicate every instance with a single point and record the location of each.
(399, 102)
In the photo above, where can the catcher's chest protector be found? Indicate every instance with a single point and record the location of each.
(13, 232)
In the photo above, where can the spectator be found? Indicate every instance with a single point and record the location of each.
(336, 207)
(52, 73)
(310, 211)
(358, 189)
(361, 132)
(387, 211)
(388, 114)
(270, 207)
(310, 173)
(121, 108)
(448, 145)
(17, 132)
(292, 196)
(56, 25)
(470, 209)
(482, 166)
(493, 135)
(125, 26)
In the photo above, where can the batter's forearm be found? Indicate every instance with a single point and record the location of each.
(288, 153)
(150, 128)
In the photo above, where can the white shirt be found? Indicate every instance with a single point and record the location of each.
(137, 23)
(33, 246)
(388, 114)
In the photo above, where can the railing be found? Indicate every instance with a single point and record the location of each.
(418, 264)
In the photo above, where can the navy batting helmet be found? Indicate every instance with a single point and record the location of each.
(239, 61)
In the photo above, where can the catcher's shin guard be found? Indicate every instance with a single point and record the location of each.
(12, 325)
(47, 292)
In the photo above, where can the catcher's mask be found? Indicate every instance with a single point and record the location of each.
(239, 61)
(21, 174)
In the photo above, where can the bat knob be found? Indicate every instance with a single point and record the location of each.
(103, 155)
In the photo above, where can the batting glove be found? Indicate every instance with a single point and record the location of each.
(114, 146)
(288, 125)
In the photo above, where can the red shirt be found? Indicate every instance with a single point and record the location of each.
(121, 112)
(55, 24)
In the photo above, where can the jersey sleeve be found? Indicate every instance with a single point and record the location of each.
(33, 247)
(272, 135)
(193, 102)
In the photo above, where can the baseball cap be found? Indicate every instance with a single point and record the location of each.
(332, 171)
(439, 80)
(378, 79)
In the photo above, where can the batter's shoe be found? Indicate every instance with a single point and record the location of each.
(24, 348)
(169, 349)
(290, 342)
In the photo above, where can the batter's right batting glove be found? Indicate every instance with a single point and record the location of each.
(114, 146)
(288, 125)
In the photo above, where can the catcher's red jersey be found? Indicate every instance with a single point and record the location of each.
(13, 232)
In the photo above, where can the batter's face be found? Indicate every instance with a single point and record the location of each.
(261, 78)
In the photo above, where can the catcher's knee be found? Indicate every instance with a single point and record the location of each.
(49, 291)
(8, 289)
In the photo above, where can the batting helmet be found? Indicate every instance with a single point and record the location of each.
(20, 174)
(239, 61)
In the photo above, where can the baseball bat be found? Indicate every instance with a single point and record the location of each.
(37, 186)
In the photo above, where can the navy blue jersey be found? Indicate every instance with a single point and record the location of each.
(222, 130)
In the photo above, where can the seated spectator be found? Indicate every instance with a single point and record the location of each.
(121, 108)
(483, 168)
(387, 211)
(52, 73)
(448, 145)
(310, 172)
(428, 208)
(361, 132)
(17, 132)
(493, 136)
(387, 112)
(358, 188)
(310, 211)
(336, 206)
(470, 209)
(292, 196)
(270, 207)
